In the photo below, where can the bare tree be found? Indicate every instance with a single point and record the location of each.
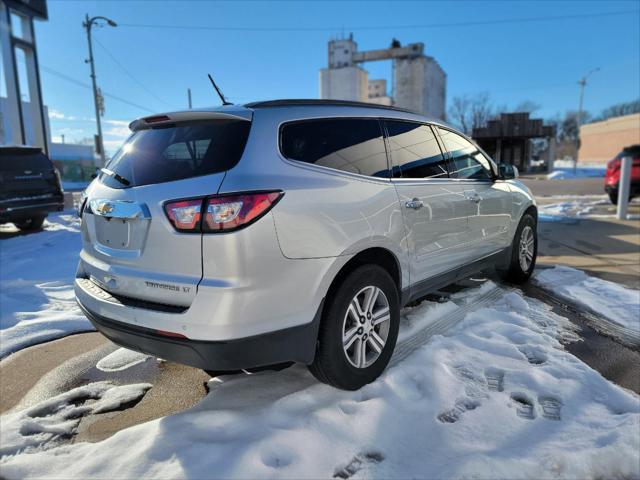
(620, 109)
(567, 132)
(481, 110)
(471, 112)
(459, 113)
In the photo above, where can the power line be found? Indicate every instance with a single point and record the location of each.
(129, 74)
(382, 27)
(55, 73)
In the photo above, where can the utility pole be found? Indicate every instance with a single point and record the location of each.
(87, 24)
(583, 83)
(189, 96)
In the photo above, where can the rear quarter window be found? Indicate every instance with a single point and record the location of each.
(349, 145)
(175, 153)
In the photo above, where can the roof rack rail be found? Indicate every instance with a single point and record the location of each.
(316, 102)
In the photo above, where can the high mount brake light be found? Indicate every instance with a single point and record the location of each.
(221, 213)
(156, 119)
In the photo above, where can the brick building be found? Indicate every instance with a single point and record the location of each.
(601, 141)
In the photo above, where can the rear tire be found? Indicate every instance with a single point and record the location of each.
(524, 251)
(356, 340)
(30, 224)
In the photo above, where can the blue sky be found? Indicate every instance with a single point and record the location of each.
(539, 61)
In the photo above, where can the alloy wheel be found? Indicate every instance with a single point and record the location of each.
(365, 327)
(526, 248)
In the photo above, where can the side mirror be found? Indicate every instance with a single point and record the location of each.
(507, 171)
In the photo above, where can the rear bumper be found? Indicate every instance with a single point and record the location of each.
(9, 213)
(295, 344)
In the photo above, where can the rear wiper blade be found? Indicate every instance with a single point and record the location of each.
(118, 177)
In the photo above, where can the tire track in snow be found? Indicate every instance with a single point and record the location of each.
(415, 341)
(624, 335)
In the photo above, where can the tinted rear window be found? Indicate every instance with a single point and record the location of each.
(350, 145)
(175, 153)
(27, 160)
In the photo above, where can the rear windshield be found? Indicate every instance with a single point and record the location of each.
(175, 153)
(12, 160)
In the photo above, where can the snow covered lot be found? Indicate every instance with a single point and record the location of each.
(496, 396)
(616, 308)
(481, 386)
(563, 170)
(36, 284)
(559, 208)
(562, 207)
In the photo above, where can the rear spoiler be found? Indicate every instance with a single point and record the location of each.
(166, 119)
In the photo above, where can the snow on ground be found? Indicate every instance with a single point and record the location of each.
(563, 170)
(36, 284)
(44, 425)
(121, 359)
(570, 208)
(560, 208)
(614, 302)
(496, 397)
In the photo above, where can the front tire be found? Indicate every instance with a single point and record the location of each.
(30, 224)
(358, 330)
(524, 251)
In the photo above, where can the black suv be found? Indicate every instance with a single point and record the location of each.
(29, 187)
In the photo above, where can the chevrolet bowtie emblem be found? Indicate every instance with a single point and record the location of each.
(104, 208)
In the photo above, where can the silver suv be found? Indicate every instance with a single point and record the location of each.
(291, 231)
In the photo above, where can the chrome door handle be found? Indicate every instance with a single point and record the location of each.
(416, 204)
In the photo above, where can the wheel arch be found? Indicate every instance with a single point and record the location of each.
(532, 210)
(380, 256)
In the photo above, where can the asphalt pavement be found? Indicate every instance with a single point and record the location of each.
(577, 186)
(597, 243)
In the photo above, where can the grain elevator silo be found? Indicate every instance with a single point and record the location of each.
(419, 83)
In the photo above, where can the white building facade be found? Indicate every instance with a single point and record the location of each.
(421, 85)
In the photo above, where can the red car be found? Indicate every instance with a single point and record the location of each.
(612, 176)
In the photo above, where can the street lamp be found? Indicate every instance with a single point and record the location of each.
(88, 23)
(582, 82)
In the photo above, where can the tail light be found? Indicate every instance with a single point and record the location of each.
(58, 180)
(614, 164)
(236, 211)
(220, 213)
(184, 215)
